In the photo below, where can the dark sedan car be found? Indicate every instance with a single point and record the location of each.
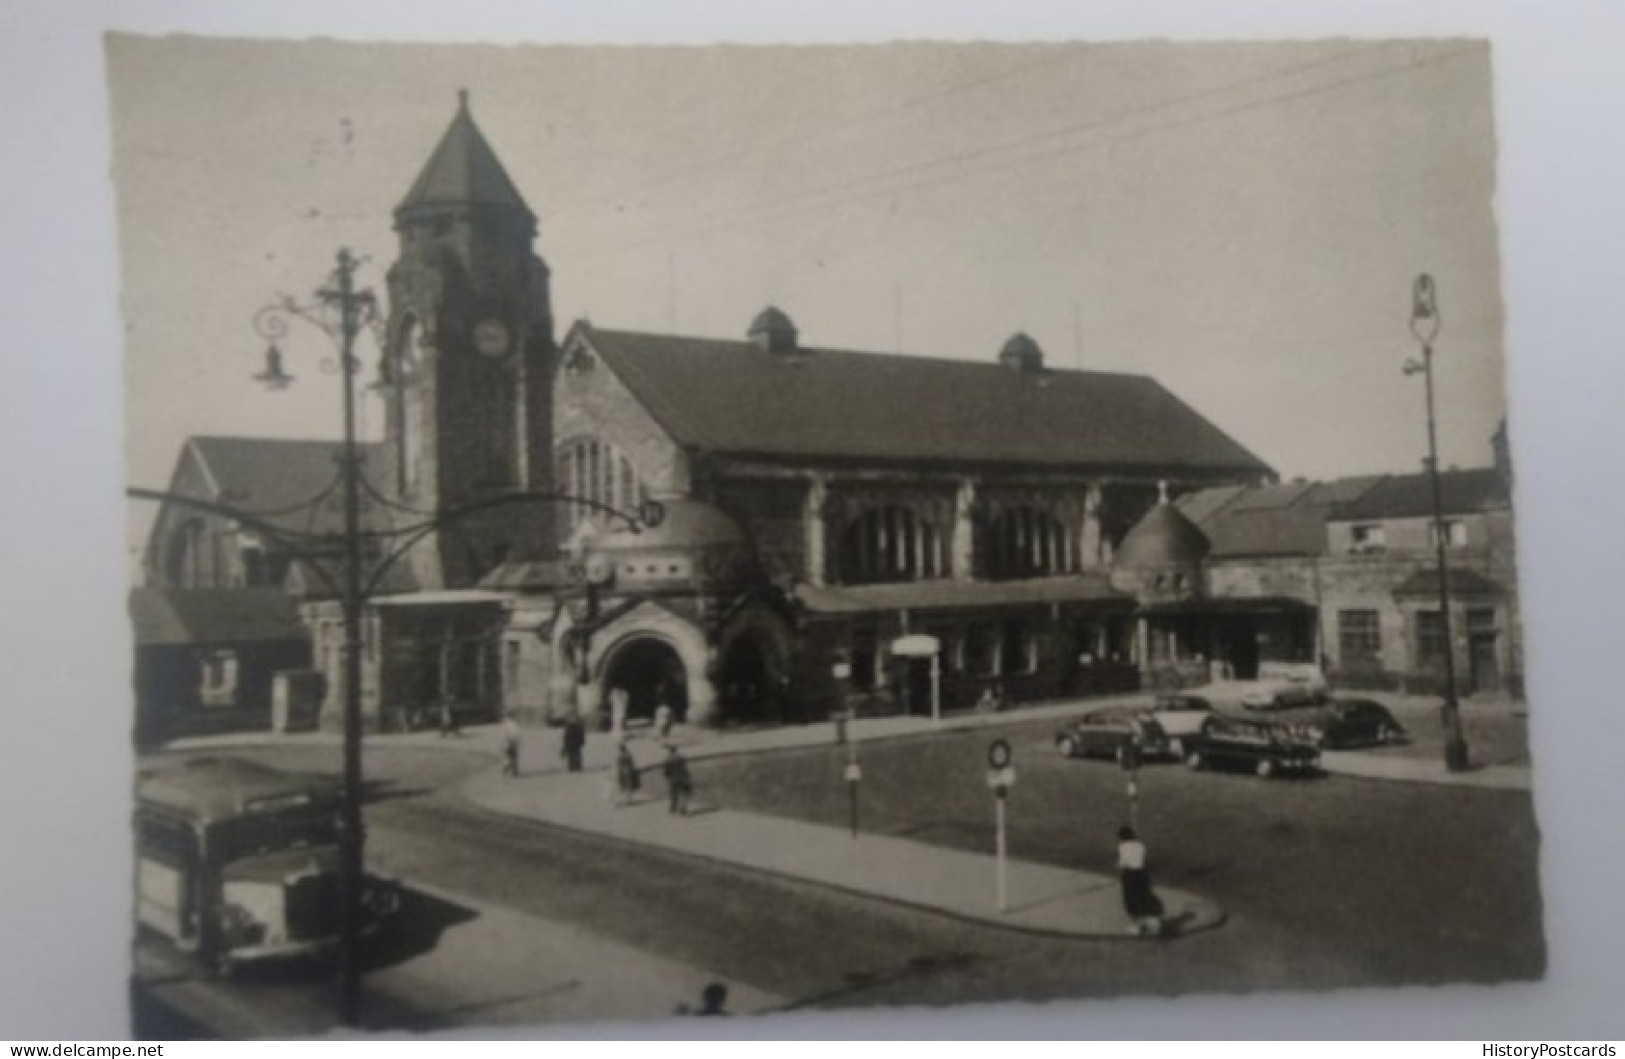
(1344, 723)
(1106, 732)
(1263, 747)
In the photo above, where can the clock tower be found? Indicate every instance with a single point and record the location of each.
(467, 367)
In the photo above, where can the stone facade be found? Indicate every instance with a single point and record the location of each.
(1362, 574)
(469, 361)
(1005, 568)
(811, 518)
(1398, 586)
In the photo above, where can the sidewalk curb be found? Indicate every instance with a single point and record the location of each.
(1209, 914)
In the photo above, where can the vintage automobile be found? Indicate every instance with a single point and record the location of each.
(1282, 693)
(1344, 723)
(1262, 747)
(1107, 732)
(237, 863)
(1181, 715)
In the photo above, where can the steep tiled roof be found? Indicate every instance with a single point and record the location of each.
(171, 617)
(731, 397)
(277, 478)
(463, 171)
(1272, 520)
(1411, 496)
(1202, 504)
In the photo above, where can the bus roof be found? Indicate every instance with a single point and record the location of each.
(208, 790)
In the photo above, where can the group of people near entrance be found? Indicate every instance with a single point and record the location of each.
(626, 776)
(629, 778)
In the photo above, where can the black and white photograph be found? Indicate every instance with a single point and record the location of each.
(620, 533)
(623, 532)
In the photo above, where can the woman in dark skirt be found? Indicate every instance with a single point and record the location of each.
(1140, 901)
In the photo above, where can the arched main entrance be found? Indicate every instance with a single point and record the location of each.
(650, 671)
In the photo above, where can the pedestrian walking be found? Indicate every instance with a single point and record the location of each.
(663, 719)
(574, 741)
(510, 745)
(627, 780)
(1140, 901)
(679, 785)
(713, 1001)
(448, 720)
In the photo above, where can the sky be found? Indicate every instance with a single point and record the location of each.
(1242, 222)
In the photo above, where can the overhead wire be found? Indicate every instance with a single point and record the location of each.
(728, 160)
(836, 195)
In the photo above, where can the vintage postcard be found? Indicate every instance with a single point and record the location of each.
(623, 532)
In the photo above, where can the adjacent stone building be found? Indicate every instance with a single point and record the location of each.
(1345, 574)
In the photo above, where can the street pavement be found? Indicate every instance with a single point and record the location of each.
(1039, 898)
(498, 966)
(493, 967)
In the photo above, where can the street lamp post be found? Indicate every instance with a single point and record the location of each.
(354, 310)
(1425, 327)
(341, 311)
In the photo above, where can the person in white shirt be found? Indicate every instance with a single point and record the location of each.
(1140, 901)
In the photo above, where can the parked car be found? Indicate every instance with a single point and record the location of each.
(1264, 747)
(1345, 723)
(1283, 693)
(1106, 732)
(1181, 715)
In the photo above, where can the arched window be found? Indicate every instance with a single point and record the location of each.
(597, 471)
(1028, 542)
(401, 366)
(891, 543)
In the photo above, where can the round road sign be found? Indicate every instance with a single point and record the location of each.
(998, 755)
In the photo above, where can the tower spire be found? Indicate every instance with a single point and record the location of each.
(462, 171)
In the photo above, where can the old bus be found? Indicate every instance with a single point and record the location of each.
(237, 862)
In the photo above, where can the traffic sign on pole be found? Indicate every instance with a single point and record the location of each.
(1001, 776)
(853, 773)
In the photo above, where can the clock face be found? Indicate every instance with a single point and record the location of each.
(491, 338)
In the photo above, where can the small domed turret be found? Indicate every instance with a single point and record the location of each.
(1160, 559)
(1022, 353)
(1164, 537)
(773, 331)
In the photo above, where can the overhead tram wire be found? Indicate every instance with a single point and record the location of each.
(728, 160)
(819, 195)
(955, 175)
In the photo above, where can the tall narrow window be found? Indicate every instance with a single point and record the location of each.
(1359, 638)
(510, 667)
(599, 474)
(890, 543)
(1430, 645)
(406, 438)
(1027, 542)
